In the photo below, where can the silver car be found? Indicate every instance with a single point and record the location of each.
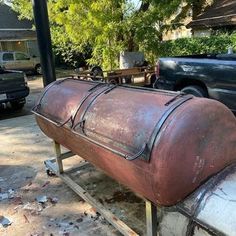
(19, 61)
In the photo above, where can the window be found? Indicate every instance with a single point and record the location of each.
(8, 57)
(21, 56)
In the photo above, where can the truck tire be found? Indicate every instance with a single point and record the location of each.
(195, 90)
(18, 105)
(97, 71)
(38, 69)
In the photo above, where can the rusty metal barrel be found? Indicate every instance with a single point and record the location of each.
(160, 144)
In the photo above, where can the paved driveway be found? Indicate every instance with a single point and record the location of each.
(36, 86)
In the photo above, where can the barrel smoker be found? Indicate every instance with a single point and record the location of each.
(175, 150)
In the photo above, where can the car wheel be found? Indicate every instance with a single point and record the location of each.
(38, 69)
(18, 105)
(197, 91)
(97, 71)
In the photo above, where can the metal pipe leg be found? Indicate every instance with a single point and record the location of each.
(151, 219)
(57, 148)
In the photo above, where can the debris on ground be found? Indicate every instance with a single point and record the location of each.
(26, 219)
(31, 187)
(3, 196)
(45, 184)
(34, 208)
(41, 199)
(7, 195)
(44, 199)
(4, 222)
(17, 201)
(38, 234)
(11, 193)
(79, 220)
(53, 200)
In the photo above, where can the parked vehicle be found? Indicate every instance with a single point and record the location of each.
(19, 61)
(212, 76)
(13, 88)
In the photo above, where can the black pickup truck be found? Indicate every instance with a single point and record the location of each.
(13, 88)
(212, 76)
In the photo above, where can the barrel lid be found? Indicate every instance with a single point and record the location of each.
(85, 107)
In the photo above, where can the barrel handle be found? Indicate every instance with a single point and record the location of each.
(127, 157)
(137, 155)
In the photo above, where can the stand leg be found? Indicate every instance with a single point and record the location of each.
(57, 148)
(151, 219)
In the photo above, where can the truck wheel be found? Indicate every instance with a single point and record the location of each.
(97, 71)
(195, 90)
(17, 105)
(38, 69)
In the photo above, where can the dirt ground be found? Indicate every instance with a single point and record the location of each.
(39, 205)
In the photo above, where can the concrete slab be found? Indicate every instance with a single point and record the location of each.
(23, 149)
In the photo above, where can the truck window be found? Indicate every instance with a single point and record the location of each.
(8, 57)
(21, 56)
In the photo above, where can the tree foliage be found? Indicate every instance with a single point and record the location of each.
(109, 26)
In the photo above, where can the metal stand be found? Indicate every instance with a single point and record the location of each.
(56, 166)
(151, 219)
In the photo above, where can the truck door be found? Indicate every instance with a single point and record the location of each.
(22, 61)
(8, 60)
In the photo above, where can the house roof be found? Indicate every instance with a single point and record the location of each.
(220, 13)
(9, 19)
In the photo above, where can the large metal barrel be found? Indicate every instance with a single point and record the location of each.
(162, 145)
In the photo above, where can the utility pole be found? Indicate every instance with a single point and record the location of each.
(44, 40)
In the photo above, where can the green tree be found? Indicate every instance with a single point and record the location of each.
(108, 26)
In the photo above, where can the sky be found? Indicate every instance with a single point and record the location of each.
(136, 2)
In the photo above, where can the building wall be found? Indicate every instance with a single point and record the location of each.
(201, 33)
(14, 46)
(26, 46)
(181, 32)
(33, 49)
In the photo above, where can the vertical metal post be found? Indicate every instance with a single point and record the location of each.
(44, 40)
(57, 148)
(151, 219)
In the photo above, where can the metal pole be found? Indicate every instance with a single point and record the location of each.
(44, 40)
(151, 219)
